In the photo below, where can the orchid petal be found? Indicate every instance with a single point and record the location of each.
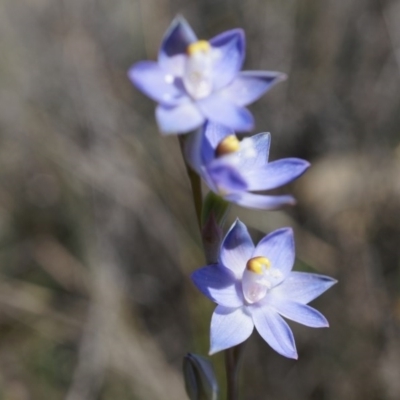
(216, 132)
(223, 111)
(229, 327)
(274, 330)
(229, 51)
(260, 201)
(237, 248)
(275, 174)
(300, 313)
(176, 40)
(156, 83)
(303, 287)
(179, 119)
(249, 86)
(278, 247)
(219, 285)
(226, 177)
(260, 144)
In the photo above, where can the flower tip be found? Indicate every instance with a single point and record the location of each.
(304, 166)
(250, 126)
(129, 72)
(241, 34)
(178, 20)
(330, 282)
(307, 164)
(284, 233)
(290, 354)
(166, 132)
(288, 230)
(132, 73)
(246, 125)
(212, 351)
(235, 33)
(238, 226)
(242, 40)
(178, 17)
(217, 347)
(193, 276)
(282, 77)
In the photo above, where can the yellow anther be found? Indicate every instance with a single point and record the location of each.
(258, 264)
(201, 46)
(228, 145)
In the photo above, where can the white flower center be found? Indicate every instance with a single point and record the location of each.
(247, 148)
(236, 151)
(197, 77)
(258, 278)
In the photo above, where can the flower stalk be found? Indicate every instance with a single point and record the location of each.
(195, 183)
(233, 362)
(199, 86)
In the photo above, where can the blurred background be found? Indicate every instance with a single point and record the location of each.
(97, 229)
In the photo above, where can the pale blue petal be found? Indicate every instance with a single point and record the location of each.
(260, 201)
(249, 86)
(216, 132)
(225, 112)
(300, 313)
(180, 119)
(261, 144)
(229, 50)
(175, 66)
(303, 287)
(229, 327)
(208, 180)
(278, 247)
(219, 285)
(274, 330)
(156, 83)
(225, 177)
(237, 248)
(275, 174)
(176, 40)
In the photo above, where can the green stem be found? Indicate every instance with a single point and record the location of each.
(195, 183)
(234, 355)
(233, 360)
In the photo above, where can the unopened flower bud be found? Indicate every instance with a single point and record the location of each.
(200, 381)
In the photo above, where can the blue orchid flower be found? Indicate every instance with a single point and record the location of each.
(254, 286)
(198, 80)
(235, 169)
